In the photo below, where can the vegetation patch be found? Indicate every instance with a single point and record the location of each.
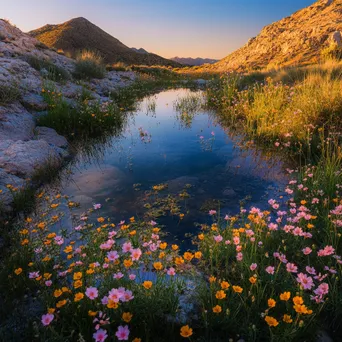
(9, 94)
(89, 65)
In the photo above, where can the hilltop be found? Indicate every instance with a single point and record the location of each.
(80, 34)
(294, 40)
(194, 61)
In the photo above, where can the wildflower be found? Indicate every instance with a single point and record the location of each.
(163, 245)
(122, 333)
(127, 316)
(158, 266)
(271, 321)
(291, 268)
(270, 270)
(77, 276)
(287, 319)
(237, 289)
(201, 236)
(212, 279)
(185, 331)
(179, 261)
(253, 267)
(198, 255)
(61, 303)
(174, 247)
(147, 284)
(92, 292)
(217, 309)
(188, 256)
(212, 212)
(128, 263)
(297, 300)
(78, 296)
(47, 319)
(218, 238)
(322, 289)
(220, 294)
(68, 249)
(328, 250)
(17, 271)
(92, 313)
(112, 255)
(77, 284)
(285, 296)
(306, 250)
(57, 293)
(136, 339)
(100, 335)
(224, 285)
(271, 303)
(127, 247)
(171, 271)
(97, 206)
(252, 280)
(305, 281)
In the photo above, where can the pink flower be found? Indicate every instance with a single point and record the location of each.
(270, 270)
(322, 289)
(310, 270)
(135, 254)
(306, 250)
(253, 267)
(48, 283)
(292, 268)
(236, 240)
(127, 247)
(127, 296)
(92, 292)
(118, 275)
(33, 275)
(115, 295)
(112, 255)
(212, 212)
(171, 271)
(132, 276)
(97, 206)
(47, 319)
(239, 256)
(305, 281)
(100, 335)
(122, 333)
(328, 250)
(218, 238)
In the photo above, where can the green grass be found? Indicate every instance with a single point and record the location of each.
(9, 94)
(89, 65)
(53, 72)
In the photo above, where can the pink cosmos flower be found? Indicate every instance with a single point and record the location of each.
(322, 289)
(118, 275)
(112, 255)
(47, 319)
(212, 212)
(328, 250)
(270, 269)
(136, 254)
(34, 275)
(218, 238)
(227, 242)
(253, 267)
(305, 281)
(132, 276)
(92, 292)
(48, 283)
(126, 247)
(115, 295)
(127, 296)
(100, 335)
(153, 223)
(310, 270)
(239, 256)
(306, 250)
(292, 268)
(171, 271)
(122, 333)
(97, 206)
(226, 217)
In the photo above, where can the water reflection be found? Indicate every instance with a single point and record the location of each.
(182, 146)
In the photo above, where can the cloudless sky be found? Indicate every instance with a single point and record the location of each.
(186, 28)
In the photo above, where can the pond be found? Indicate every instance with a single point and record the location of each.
(197, 161)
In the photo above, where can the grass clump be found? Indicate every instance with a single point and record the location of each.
(52, 71)
(89, 65)
(119, 66)
(9, 94)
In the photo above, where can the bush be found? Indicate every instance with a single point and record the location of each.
(8, 94)
(120, 66)
(333, 51)
(54, 72)
(89, 65)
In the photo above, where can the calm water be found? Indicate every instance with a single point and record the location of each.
(158, 147)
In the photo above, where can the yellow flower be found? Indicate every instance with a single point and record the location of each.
(61, 303)
(217, 309)
(271, 303)
(68, 249)
(179, 261)
(92, 313)
(224, 285)
(161, 255)
(128, 263)
(174, 247)
(77, 275)
(112, 305)
(57, 293)
(212, 279)
(252, 280)
(198, 255)
(158, 265)
(24, 232)
(18, 271)
(54, 205)
(220, 294)
(132, 219)
(147, 284)
(47, 275)
(127, 316)
(237, 289)
(287, 319)
(302, 309)
(163, 245)
(188, 256)
(51, 310)
(271, 321)
(285, 296)
(90, 271)
(201, 236)
(77, 284)
(24, 242)
(78, 296)
(186, 331)
(298, 300)
(100, 220)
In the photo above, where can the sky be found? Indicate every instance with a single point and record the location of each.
(185, 28)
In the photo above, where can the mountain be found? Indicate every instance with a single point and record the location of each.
(193, 61)
(80, 34)
(294, 40)
(141, 50)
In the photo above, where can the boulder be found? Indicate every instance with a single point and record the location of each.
(51, 137)
(34, 102)
(6, 196)
(336, 38)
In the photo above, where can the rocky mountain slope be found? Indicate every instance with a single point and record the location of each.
(24, 147)
(194, 61)
(297, 39)
(80, 34)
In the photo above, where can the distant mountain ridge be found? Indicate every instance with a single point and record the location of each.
(294, 40)
(80, 34)
(194, 61)
(141, 50)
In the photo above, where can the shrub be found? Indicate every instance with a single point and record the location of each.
(53, 72)
(333, 51)
(89, 65)
(119, 66)
(9, 94)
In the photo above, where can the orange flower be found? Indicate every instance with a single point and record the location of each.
(252, 280)
(163, 245)
(78, 296)
(212, 279)
(174, 247)
(198, 255)
(224, 285)
(271, 303)
(285, 296)
(18, 271)
(217, 309)
(61, 303)
(237, 289)
(271, 321)
(112, 305)
(201, 236)
(77, 284)
(128, 263)
(158, 266)
(188, 256)
(186, 331)
(77, 275)
(147, 284)
(220, 294)
(179, 261)
(298, 300)
(127, 316)
(57, 293)
(287, 319)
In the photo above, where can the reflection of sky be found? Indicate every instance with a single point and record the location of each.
(176, 155)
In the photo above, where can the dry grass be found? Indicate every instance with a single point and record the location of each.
(89, 64)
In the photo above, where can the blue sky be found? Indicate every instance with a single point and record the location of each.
(186, 28)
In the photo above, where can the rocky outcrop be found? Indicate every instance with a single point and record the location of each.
(297, 39)
(25, 148)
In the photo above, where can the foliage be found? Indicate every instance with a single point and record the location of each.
(88, 65)
(9, 94)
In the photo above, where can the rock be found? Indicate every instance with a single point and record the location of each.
(51, 137)
(322, 336)
(6, 196)
(34, 102)
(336, 38)
(23, 158)
(16, 123)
